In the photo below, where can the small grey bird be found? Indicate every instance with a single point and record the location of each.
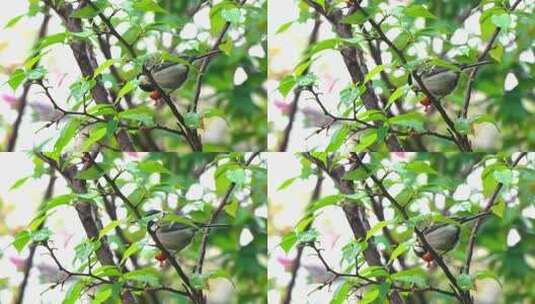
(442, 81)
(443, 237)
(177, 236)
(168, 75)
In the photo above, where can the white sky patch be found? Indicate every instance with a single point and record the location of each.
(240, 76)
(246, 237)
(459, 37)
(189, 31)
(261, 211)
(257, 51)
(513, 237)
(471, 24)
(195, 192)
(510, 82)
(529, 212)
(527, 56)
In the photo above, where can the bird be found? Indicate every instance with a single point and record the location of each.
(441, 81)
(168, 75)
(175, 236)
(443, 237)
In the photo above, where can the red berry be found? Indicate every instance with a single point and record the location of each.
(155, 95)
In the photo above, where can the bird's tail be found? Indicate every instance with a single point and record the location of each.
(208, 54)
(214, 225)
(473, 65)
(470, 218)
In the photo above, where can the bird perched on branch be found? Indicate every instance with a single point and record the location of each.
(443, 237)
(441, 81)
(175, 236)
(168, 75)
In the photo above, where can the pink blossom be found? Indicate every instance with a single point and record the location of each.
(11, 100)
(283, 106)
(18, 262)
(285, 262)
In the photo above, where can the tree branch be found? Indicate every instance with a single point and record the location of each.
(23, 99)
(482, 56)
(297, 93)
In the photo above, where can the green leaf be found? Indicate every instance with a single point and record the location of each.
(341, 293)
(36, 74)
(19, 183)
(374, 72)
(497, 52)
(338, 139)
(462, 125)
(465, 281)
(503, 21)
(419, 166)
(192, 120)
(142, 114)
(326, 44)
(98, 133)
(326, 201)
(232, 15)
(148, 6)
(87, 11)
(400, 91)
(67, 134)
(413, 275)
(284, 27)
(109, 227)
(232, 208)
(104, 66)
(103, 293)
(41, 235)
(236, 176)
(375, 229)
(498, 208)
(413, 120)
(356, 18)
(152, 166)
(288, 241)
(13, 21)
(58, 201)
(16, 78)
(306, 80)
(146, 275)
(74, 293)
(287, 183)
(127, 88)
(227, 46)
(366, 141)
(370, 295)
(400, 249)
(504, 176)
(131, 250)
(52, 39)
(21, 240)
(307, 236)
(286, 85)
(417, 10)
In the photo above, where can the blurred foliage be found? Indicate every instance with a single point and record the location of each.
(432, 188)
(166, 181)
